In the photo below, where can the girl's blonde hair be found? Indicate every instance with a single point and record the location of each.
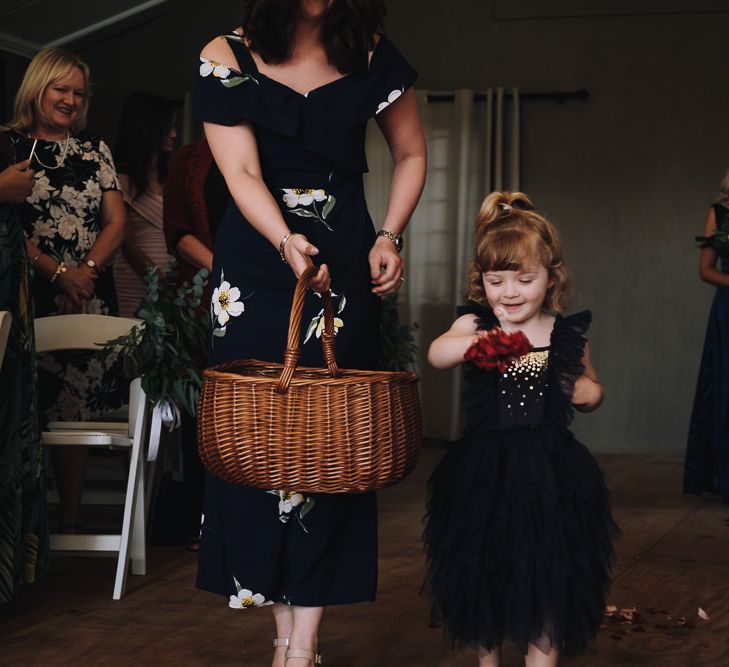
(723, 197)
(47, 66)
(510, 234)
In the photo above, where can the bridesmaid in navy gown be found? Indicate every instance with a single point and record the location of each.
(707, 451)
(286, 124)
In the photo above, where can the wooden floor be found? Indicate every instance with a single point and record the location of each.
(673, 558)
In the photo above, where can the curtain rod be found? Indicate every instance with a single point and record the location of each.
(559, 97)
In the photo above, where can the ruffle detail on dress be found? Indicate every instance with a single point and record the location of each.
(566, 351)
(519, 542)
(251, 96)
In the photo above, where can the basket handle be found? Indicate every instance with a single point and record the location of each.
(293, 345)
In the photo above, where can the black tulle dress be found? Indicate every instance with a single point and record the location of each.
(518, 531)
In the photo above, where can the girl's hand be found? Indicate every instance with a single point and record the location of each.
(587, 394)
(501, 315)
(77, 284)
(298, 252)
(386, 267)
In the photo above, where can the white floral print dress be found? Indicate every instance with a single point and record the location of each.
(62, 216)
(286, 545)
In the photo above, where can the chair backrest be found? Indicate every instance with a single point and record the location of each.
(79, 332)
(6, 320)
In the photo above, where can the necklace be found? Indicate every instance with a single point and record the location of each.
(63, 154)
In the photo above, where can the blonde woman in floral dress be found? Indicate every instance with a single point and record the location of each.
(74, 223)
(285, 102)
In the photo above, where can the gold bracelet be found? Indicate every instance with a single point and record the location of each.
(61, 268)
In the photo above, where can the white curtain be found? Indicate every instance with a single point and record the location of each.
(473, 148)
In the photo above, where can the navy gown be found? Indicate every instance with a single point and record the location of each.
(707, 451)
(518, 531)
(260, 546)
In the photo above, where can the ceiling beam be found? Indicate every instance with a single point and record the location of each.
(111, 20)
(18, 46)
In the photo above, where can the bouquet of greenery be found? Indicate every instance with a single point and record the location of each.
(165, 349)
(718, 241)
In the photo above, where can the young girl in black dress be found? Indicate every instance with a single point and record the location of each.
(518, 529)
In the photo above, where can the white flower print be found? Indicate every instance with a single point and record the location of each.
(303, 202)
(316, 326)
(44, 228)
(246, 599)
(208, 67)
(390, 99)
(92, 189)
(75, 198)
(224, 305)
(222, 73)
(292, 504)
(41, 190)
(289, 500)
(67, 226)
(225, 302)
(294, 197)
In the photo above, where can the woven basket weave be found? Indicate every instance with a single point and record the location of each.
(321, 430)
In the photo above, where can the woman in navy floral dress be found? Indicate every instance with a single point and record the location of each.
(74, 223)
(285, 104)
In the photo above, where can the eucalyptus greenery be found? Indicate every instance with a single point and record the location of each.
(398, 351)
(718, 241)
(164, 348)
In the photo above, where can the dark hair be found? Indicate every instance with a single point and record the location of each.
(145, 121)
(347, 33)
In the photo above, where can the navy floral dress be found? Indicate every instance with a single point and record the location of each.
(62, 216)
(262, 546)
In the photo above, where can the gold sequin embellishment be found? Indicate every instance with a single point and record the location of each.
(530, 365)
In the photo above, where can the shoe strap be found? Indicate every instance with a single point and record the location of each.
(280, 641)
(303, 653)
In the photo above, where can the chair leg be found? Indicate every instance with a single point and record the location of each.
(138, 538)
(128, 520)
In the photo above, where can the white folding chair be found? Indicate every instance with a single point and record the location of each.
(6, 320)
(90, 332)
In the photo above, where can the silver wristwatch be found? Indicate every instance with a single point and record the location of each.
(396, 239)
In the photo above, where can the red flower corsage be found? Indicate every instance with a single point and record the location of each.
(496, 348)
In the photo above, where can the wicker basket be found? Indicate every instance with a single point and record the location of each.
(321, 430)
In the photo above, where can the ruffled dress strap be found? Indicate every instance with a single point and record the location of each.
(566, 351)
(485, 318)
(480, 406)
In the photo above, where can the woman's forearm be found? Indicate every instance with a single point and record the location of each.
(194, 251)
(255, 202)
(713, 276)
(408, 180)
(113, 228)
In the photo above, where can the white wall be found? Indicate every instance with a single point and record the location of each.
(627, 176)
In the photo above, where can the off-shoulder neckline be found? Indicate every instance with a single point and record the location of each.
(238, 39)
